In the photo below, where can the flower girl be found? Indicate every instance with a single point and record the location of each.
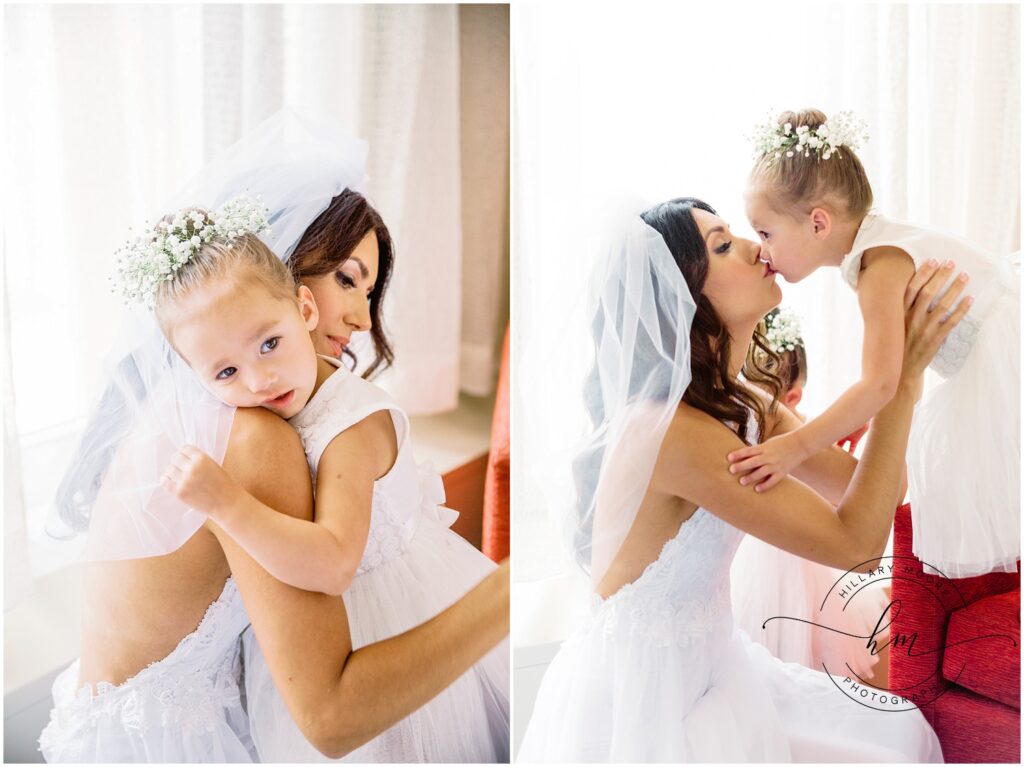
(380, 535)
(809, 198)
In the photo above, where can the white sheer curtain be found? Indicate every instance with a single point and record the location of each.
(109, 108)
(484, 37)
(17, 573)
(656, 100)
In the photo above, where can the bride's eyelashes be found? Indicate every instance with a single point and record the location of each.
(723, 248)
(348, 283)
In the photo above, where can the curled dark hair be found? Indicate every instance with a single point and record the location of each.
(794, 366)
(329, 241)
(712, 389)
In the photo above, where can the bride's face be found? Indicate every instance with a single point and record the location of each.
(739, 285)
(343, 297)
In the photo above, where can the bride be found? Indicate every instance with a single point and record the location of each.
(658, 671)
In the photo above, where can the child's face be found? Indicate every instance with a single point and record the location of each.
(787, 244)
(249, 347)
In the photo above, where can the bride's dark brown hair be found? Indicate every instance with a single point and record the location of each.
(326, 245)
(712, 389)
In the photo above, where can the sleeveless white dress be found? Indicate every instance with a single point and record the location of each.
(186, 707)
(659, 672)
(413, 568)
(963, 460)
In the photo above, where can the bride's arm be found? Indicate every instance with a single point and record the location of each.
(340, 699)
(792, 516)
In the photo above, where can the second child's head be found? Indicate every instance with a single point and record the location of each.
(794, 375)
(804, 192)
(781, 332)
(234, 315)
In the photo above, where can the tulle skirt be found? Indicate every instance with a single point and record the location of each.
(963, 460)
(768, 582)
(722, 698)
(467, 722)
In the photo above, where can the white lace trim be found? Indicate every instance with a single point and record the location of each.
(161, 695)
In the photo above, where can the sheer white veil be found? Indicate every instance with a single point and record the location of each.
(630, 366)
(152, 403)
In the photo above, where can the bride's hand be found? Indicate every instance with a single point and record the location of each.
(927, 325)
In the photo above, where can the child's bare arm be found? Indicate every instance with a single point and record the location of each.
(881, 290)
(316, 556)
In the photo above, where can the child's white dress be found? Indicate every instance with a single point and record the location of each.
(963, 461)
(413, 568)
(187, 707)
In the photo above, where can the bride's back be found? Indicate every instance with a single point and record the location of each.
(138, 610)
(658, 521)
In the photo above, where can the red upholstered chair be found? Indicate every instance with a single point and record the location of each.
(970, 690)
(496, 489)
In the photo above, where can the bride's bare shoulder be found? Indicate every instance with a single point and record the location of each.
(252, 423)
(693, 433)
(265, 456)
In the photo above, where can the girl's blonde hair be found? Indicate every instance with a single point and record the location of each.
(245, 258)
(801, 183)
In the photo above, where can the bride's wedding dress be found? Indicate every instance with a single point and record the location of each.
(660, 672)
(186, 707)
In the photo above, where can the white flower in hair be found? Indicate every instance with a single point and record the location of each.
(783, 330)
(842, 129)
(157, 254)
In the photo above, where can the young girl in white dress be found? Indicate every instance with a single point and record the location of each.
(809, 198)
(768, 582)
(379, 537)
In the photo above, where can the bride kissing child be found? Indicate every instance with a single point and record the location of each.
(809, 200)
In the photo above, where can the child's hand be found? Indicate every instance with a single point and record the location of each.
(199, 481)
(768, 462)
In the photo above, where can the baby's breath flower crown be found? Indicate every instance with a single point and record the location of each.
(783, 330)
(775, 141)
(156, 255)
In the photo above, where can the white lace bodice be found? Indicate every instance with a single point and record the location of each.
(186, 692)
(683, 594)
(402, 495)
(990, 276)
